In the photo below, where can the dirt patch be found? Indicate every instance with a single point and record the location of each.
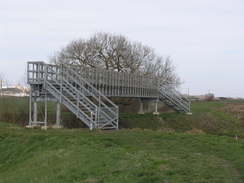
(195, 131)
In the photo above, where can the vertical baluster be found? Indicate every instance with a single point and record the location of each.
(116, 83)
(143, 85)
(127, 84)
(112, 78)
(122, 83)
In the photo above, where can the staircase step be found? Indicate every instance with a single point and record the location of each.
(173, 99)
(63, 83)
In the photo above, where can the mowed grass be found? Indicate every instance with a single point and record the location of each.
(78, 155)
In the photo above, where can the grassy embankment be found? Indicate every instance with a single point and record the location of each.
(208, 117)
(167, 152)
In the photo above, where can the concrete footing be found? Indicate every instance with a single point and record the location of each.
(57, 127)
(33, 126)
(44, 127)
(156, 113)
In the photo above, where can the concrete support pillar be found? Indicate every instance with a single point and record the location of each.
(58, 124)
(58, 115)
(45, 120)
(30, 109)
(91, 121)
(141, 107)
(156, 108)
(35, 112)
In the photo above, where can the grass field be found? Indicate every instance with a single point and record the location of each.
(117, 156)
(167, 148)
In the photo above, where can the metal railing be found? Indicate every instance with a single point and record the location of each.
(118, 84)
(173, 98)
(72, 90)
(35, 72)
(85, 88)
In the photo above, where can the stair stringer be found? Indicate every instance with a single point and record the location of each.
(173, 99)
(64, 83)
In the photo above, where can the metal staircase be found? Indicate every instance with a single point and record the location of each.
(70, 89)
(173, 99)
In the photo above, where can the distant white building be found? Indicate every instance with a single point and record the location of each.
(13, 91)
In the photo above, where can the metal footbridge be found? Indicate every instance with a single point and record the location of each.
(86, 92)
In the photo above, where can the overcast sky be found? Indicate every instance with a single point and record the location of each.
(204, 38)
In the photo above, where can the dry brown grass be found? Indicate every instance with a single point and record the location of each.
(162, 129)
(195, 131)
(234, 109)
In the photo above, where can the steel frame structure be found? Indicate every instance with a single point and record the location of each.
(85, 91)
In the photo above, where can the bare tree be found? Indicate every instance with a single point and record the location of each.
(2, 76)
(23, 82)
(1, 83)
(4, 82)
(209, 97)
(117, 53)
